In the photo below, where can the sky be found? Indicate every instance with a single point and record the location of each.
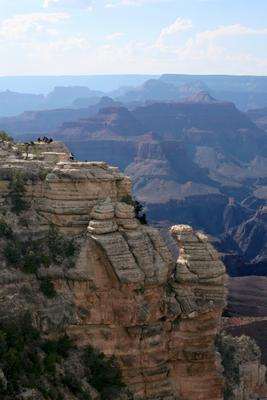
(74, 37)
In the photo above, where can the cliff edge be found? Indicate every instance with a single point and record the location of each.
(105, 279)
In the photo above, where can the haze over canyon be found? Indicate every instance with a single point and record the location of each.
(195, 149)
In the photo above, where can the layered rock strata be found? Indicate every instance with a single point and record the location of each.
(126, 295)
(71, 191)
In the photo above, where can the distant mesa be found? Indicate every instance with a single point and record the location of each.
(103, 101)
(202, 98)
(153, 89)
(44, 121)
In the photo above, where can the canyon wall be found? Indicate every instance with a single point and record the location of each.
(125, 295)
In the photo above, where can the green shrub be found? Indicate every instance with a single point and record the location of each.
(138, 208)
(62, 346)
(18, 353)
(71, 263)
(45, 260)
(31, 262)
(60, 248)
(29, 361)
(17, 192)
(140, 213)
(128, 200)
(5, 230)
(227, 349)
(43, 174)
(55, 350)
(26, 254)
(13, 252)
(47, 288)
(50, 362)
(31, 254)
(235, 351)
(140, 290)
(4, 137)
(50, 393)
(103, 372)
(76, 387)
(70, 249)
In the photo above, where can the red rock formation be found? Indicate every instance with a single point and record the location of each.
(125, 296)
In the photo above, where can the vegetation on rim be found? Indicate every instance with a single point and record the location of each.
(17, 192)
(30, 254)
(28, 361)
(235, 351)
(139, 209)
(4, 137)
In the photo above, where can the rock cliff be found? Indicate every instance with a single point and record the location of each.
(122, 293)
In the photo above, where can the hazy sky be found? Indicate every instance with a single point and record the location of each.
(133, 36)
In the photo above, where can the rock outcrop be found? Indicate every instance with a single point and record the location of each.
(125, 295)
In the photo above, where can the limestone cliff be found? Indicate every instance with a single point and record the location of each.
(124, 294)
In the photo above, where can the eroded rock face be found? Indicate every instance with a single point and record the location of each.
(158, 318)
(126, 295)
(198, 282)
(71, 191)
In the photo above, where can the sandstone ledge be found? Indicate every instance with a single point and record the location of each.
(126, 294)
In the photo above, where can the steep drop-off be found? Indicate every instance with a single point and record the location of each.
(123, 293)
